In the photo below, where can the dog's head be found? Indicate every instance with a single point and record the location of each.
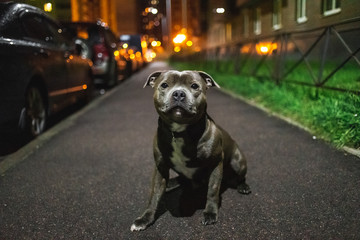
(180, 97)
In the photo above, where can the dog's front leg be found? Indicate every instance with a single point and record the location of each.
(213, 195)
(160, 178)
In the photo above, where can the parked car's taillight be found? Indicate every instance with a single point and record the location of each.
(100, 53)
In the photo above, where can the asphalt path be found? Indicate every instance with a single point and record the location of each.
(89, 176)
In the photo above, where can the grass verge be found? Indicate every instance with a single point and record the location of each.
(332, 116)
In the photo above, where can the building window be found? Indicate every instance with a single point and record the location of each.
(228, 32)
(331, 7)
(257, 21)
(301, 11)
(276, 14)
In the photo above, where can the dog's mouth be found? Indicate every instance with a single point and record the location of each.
(180, 112)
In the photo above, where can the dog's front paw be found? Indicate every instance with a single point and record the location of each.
(142, 222)
(139, 224)
(209, 218)
(243, 188)
(135, 227)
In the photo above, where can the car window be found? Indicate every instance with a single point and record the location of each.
(12, 30)
(58, 36)
(44, 30)
(36, 29)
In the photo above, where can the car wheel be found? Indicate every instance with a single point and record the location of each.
(35, 112)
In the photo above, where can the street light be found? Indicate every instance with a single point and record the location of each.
(264, 48)
(220, 10)
(179, 38)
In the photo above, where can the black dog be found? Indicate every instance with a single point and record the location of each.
(189, 142)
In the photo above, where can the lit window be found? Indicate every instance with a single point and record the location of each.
(228, 32)
(276, 14)
(331, 7)
(257, 21)
(301, 11)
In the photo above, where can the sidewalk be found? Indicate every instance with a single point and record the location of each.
(90, 179)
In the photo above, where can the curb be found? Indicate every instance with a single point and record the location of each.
(352, 151)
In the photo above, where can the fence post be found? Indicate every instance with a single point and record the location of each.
(279, 62)
(323, 56)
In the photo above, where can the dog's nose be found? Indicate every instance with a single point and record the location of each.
(179, 95)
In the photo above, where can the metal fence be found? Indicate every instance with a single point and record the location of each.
(326, 57)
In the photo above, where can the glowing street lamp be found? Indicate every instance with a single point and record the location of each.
(179, 38)
(264, 48)
(220, 10)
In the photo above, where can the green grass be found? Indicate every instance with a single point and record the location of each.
(330, 115)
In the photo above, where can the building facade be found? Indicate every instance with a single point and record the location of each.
(250, 19)
(93, 10)
(188, 17)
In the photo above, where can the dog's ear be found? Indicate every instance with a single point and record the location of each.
(151, 79)
(210, 82)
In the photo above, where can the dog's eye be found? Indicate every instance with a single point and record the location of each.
(194, 86)
(164, 85)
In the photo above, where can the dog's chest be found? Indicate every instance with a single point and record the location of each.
(179, 160)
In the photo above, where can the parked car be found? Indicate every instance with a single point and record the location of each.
(109, 65)
(41, 71)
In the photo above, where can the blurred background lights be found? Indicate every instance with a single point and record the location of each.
(47, 7)
(220, 10)
(154, 11)
(156, 43)
(138, 54)
(151, 10)
(263, 48)
(179, 38)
